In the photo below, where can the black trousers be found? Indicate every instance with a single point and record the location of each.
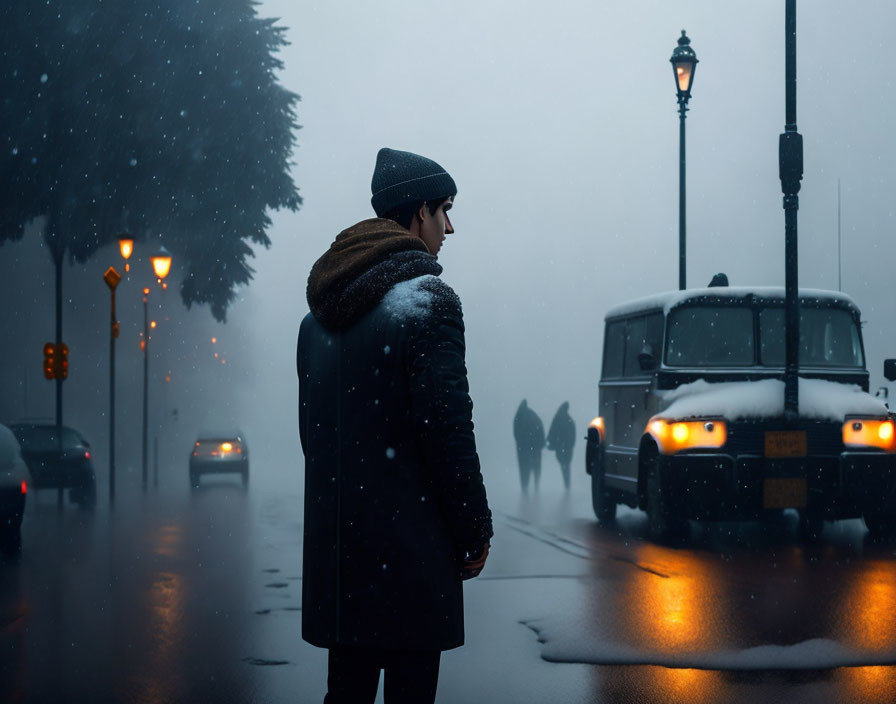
(411, 677)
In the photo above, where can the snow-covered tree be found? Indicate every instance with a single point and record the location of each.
(160, 116)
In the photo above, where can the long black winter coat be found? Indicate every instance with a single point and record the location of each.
(394, 497)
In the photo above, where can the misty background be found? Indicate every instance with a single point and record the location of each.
(559, 124)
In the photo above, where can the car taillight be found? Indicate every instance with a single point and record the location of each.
(86, 455)
(24, 487)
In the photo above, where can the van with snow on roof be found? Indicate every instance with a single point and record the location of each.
(692, 423)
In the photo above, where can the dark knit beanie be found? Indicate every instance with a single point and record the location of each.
(404, 177)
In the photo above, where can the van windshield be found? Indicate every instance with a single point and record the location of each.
(710, 336)
(717, 336)
(829, 337)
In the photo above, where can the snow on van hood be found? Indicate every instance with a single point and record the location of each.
(733, 400)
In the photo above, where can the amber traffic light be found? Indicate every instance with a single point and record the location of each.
(50, 360)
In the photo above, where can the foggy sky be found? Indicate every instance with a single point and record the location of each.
(558, 121)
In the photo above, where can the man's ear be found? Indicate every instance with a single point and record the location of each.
(420, 214)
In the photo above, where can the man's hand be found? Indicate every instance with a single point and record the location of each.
(472, 568)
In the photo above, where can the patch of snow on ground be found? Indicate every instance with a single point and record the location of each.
(733, 400)
(565, 641)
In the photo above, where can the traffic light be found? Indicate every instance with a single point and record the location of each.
(50, 360)
(63, 361)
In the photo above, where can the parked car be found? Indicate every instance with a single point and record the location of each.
(692, 424)
(14, 483)
(218, 453)
(58, 461)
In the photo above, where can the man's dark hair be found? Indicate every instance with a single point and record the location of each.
(404, 214)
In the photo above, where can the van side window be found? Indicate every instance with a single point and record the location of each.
(653, 335)
(634, 341)
(614, 349)
(643, 334)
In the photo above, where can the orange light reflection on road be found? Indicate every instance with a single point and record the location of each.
(677, 611)
(870, 685)
(867, 615)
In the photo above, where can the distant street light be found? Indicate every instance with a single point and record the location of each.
(684, 65)
(161, 264)
(126, 245)
(145, 346)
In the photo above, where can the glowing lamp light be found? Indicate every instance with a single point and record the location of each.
(24, 487)
(152, 324)
(126, 245)
(161, 263)
(684, 64)
(226, 447)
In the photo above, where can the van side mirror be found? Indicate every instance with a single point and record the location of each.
(648, 362)
(890, 369)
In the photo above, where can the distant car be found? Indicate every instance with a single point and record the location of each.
(219, 453)
(14, 482)
(58, 462)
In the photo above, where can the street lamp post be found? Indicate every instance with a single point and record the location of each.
(112, 278)
(684, 64)
(144, 343)
(161, 265)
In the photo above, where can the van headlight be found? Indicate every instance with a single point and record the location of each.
(870, 432)
(675, 436)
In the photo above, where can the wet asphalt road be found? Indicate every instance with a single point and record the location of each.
(196, 597)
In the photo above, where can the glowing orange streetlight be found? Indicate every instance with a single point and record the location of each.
(161, 264)
(126, 245)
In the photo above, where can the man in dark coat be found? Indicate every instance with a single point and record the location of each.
(562, 438)
(396, 514)
(528, 431)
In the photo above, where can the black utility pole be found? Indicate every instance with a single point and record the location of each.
(684, 63)
(790, 163)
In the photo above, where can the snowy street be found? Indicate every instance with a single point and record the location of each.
(197, 598)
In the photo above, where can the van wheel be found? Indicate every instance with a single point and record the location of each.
(664, 520)
(602, 499)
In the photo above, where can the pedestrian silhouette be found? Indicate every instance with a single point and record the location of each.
(562, 438)
(528, 431)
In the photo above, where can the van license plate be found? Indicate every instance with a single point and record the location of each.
(785, 443)
(784, 493)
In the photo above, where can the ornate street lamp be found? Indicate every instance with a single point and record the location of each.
(161, 264)
(126, 245)
(684, 64)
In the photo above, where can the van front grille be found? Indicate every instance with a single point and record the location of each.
(824, 439)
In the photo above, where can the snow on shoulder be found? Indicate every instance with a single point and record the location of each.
(733, 400)
(412, 298)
